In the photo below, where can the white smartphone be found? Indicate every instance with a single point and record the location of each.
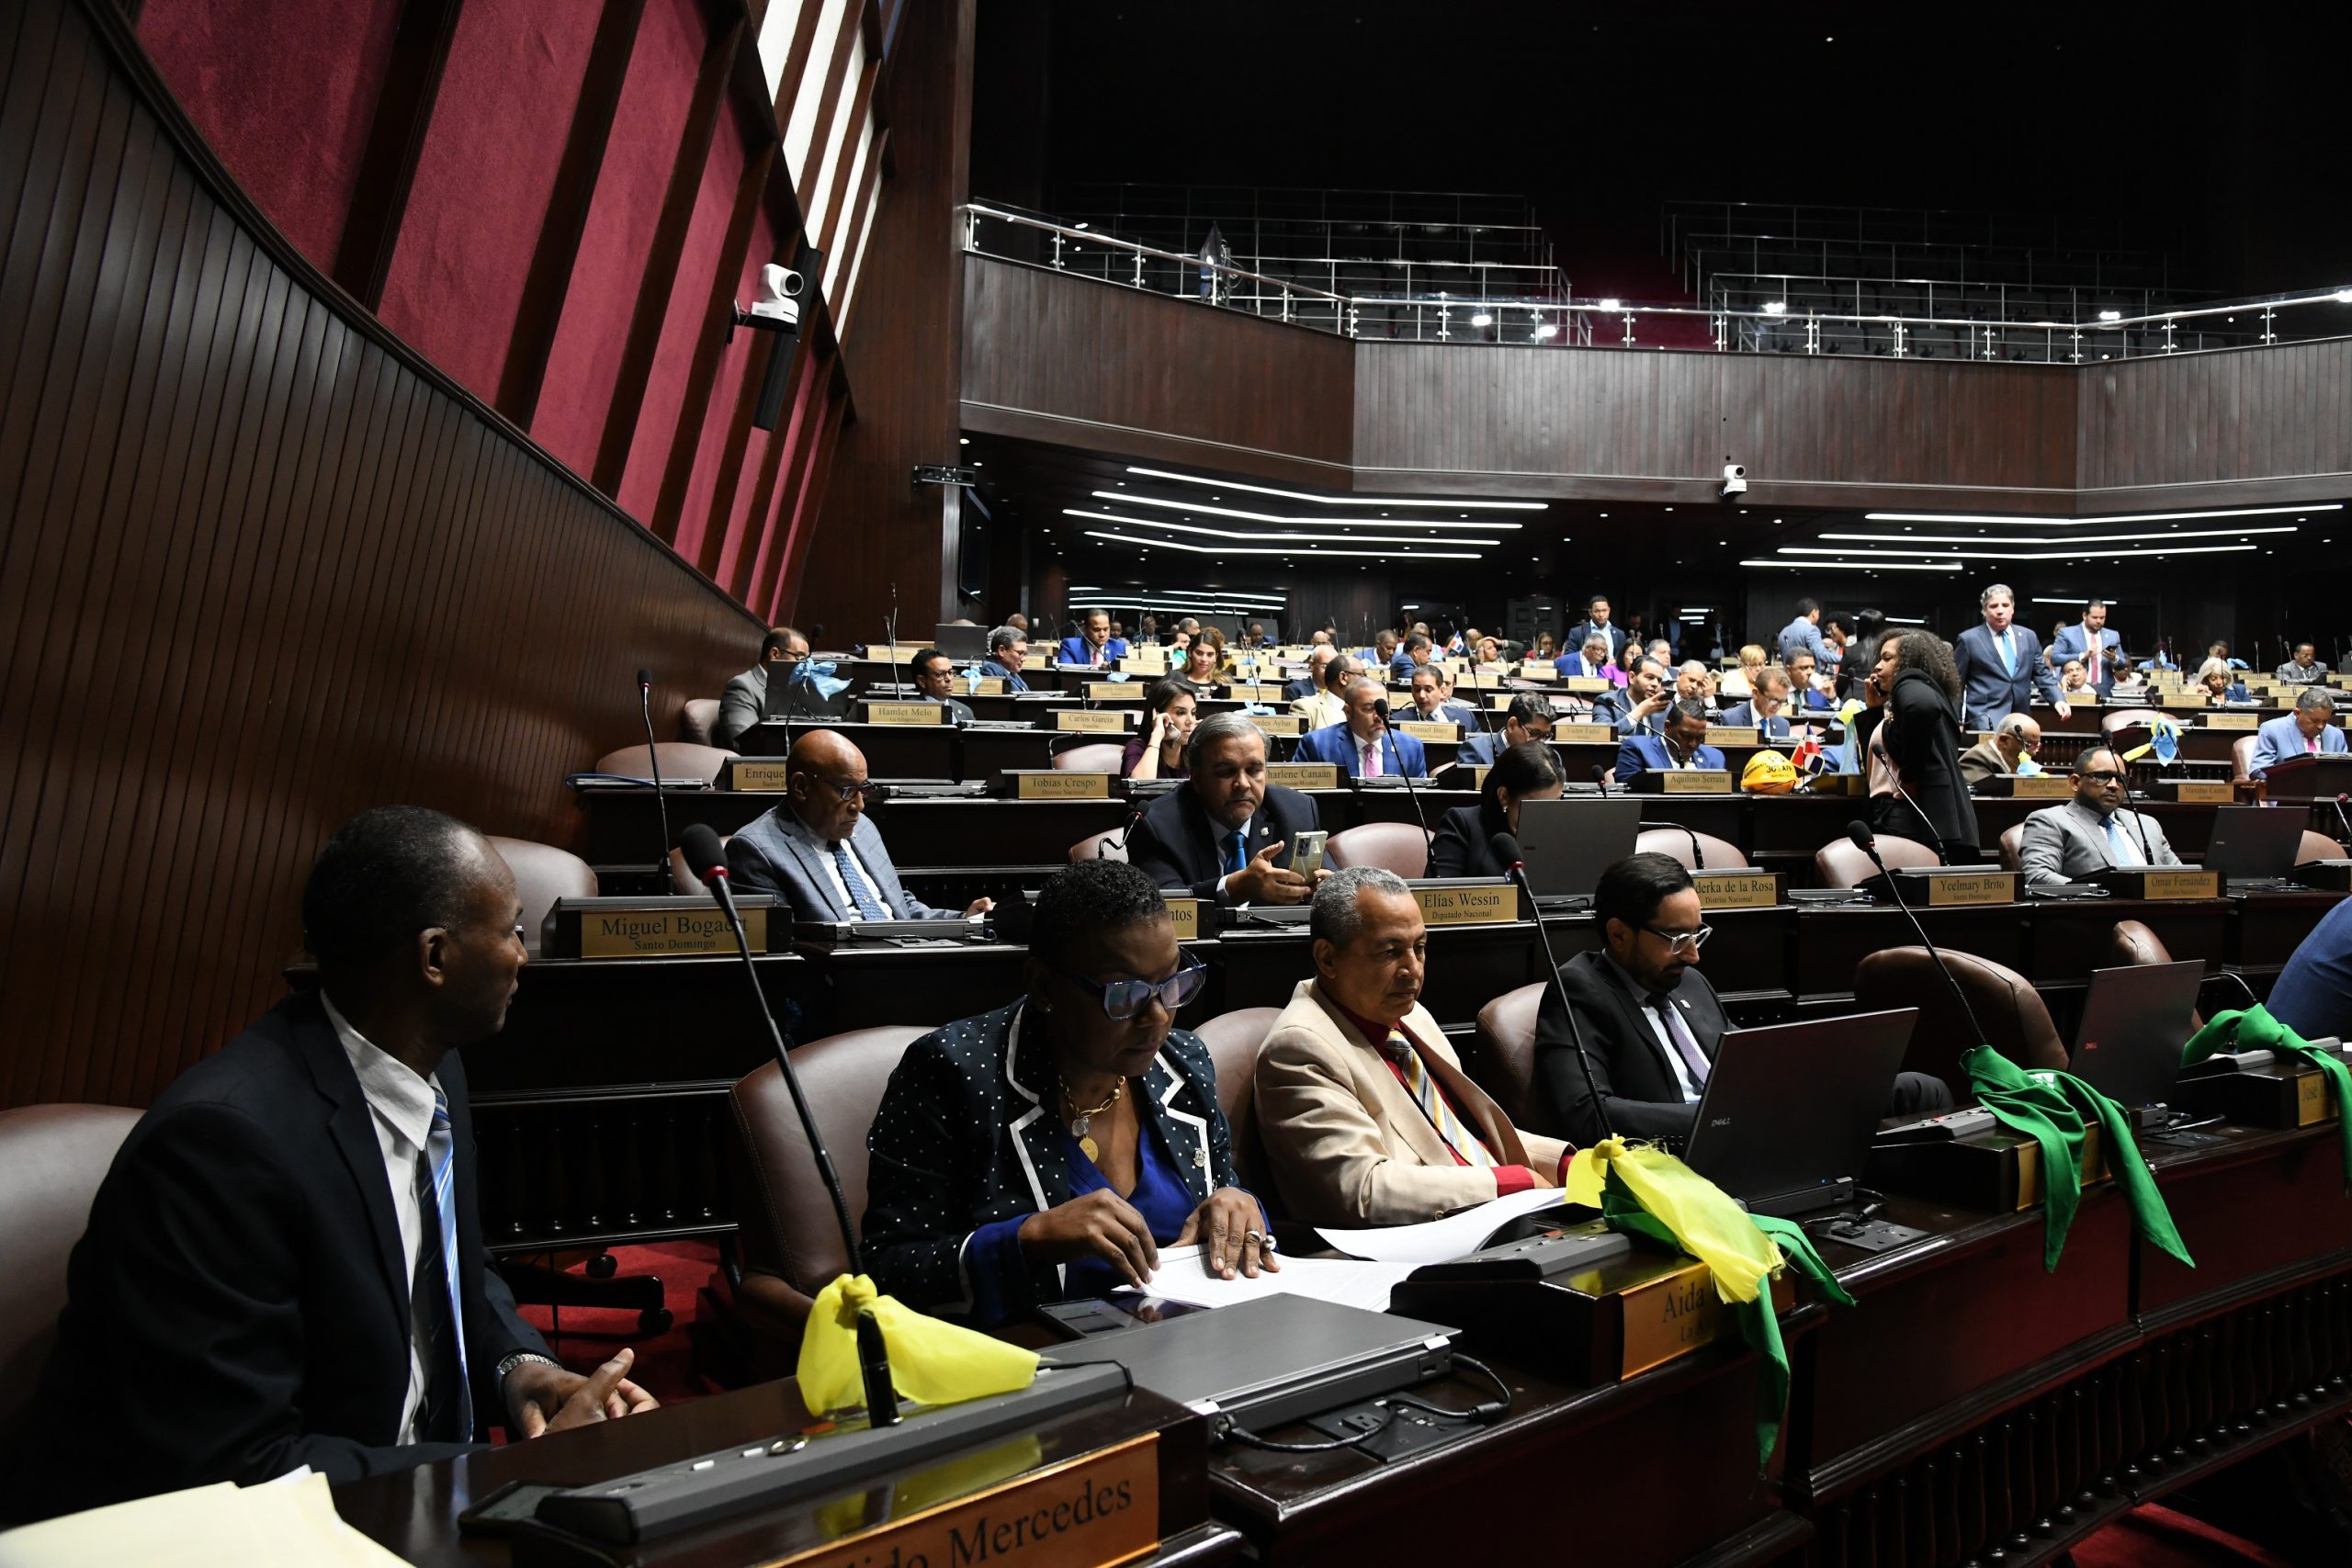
(1307, 852)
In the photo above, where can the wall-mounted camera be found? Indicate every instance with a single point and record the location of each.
(1735, 480)
(776, 308)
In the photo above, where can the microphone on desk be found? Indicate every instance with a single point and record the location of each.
(1698, 855)
(2341, 821)
(653, 755)
(1866, 841)
(1600, 776)
(1380, 710)
(708, 859)
(1504, 847)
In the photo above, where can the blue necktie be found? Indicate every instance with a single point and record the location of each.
(2009, 654)
(448, 1413)
(1236, 856)
(859, 894)
(2117, 846)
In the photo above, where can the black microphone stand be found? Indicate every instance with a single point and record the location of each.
(1429, 838)
(1868, 843)
(1505, 848)
(872, 1355)
(653, 755)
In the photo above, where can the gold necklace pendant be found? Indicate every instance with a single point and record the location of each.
(1088, 1147)
(1081, 1123)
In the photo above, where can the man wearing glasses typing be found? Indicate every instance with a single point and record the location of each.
(818, 854)
(1650, 1020)
(2092, 832)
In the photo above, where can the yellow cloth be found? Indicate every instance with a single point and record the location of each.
(1709, 1226)
(930, 1362)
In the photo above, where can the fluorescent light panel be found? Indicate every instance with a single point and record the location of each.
(1270, 600)
(1129, 498)
(1895, 541)
(1311, 549)
(2096, 522)
(1308, 539)
(1858, 565)
(2045, 554)
(1340, 499)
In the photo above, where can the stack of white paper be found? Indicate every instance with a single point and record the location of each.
(1439, 1240)
(1343, 1280)
(292, 1524)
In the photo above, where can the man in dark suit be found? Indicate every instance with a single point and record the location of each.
(818, 852)
(1681, 748)
(1651, 1023)
(1765, 710)
(1008, 651)
(1596, 619)
(2000, 664)
(1529, 717)
(1226, 833)
(1306, 686)
(933, 674)
(284, 1265)
(1638, 707)
(1094, 647)
(1363, 743)
(744, 703)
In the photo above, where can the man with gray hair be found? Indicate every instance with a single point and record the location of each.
(2310, 731)
(2000, 664)
(1225, 833)
(2013, 741)
(1008, 648)
(1367, 1117)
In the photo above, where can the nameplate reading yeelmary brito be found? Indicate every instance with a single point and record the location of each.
(655, 933)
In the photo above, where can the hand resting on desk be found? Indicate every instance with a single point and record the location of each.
(544, 1399)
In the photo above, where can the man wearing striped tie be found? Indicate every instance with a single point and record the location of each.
(1367, 1117)
(284, 1267)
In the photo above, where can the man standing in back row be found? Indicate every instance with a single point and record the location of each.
(2000, 664)
(2097, 644)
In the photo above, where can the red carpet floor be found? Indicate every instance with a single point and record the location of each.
(2152, 1536)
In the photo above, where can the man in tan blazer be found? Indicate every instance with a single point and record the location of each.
(1367, 1117)
(1327, 707)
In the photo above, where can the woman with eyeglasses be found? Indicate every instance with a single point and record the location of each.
(1048, 1150)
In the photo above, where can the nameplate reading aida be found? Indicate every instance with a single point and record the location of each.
(1695, 781)
(750, 774)
(1483, 906)
(1062, 786)
(1304, 776)
(1737, 889)
(2042, 786)
(1114, 691)
(1091, 720)
(1103, 1508)
(2232, 721)
(904, 712)
(2180, 884)
(1585, 734)
(1679, 1312)
(1279, 723)
(1421, 729)
(1949, 887)
(655, 933)
(1184, 914)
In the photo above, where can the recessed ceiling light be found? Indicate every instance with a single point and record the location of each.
(963, 440)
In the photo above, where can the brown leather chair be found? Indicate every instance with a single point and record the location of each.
(2318, 846)
(1501, 1058)
(2241, 758)
(55, 1156)
(698, 720)
(544, 874)
(1109, 844)
(1097, 757)
(679, 760)
(2112, 723)
(1675, 844)
(1841, 863)
(791, 1242)
(2016, 1023)
(682, 877)
(2130, 942)
(1400, 847)
(1233, 1039)
(2013, 847)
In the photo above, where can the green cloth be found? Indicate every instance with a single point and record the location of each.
(2055, 1109)
(2255, 1030)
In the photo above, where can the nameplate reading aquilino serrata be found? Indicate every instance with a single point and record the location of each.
(657, 933)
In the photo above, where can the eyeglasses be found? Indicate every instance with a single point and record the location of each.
(1122, 999)
(1679, 941)
(2103, 776)
(846, 792)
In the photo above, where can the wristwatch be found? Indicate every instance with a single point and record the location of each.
(509, 1362)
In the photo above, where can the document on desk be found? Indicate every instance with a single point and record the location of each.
(292, 1524)
(1435, 1241)
(1344, 1282)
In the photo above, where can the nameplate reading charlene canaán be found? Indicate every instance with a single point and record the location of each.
(1103, 1508)
(666, 933)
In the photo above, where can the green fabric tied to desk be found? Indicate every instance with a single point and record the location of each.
(2253, 1028)
(2054, 1109)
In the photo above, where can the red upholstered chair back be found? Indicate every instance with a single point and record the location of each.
(2112, 723)
(2241, 758)
(698, 719)
(2013, 847)
(682, 877)
(1100, 757)
(2318, 846)
(1233, 1039)
(2132, 942)
(1501, 1058)
(2016, 1022)
(543, 874)
(680, 760)
(55, 1156)
(1675, 844)
(791, 1246)
(1400, 847)
(1109, 844)
(1841, 864)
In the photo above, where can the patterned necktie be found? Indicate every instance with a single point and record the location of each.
(1459, 1138)
(2121, 850)
(448, 1413)
(868, 909)
(1372, 758)
(1694, 1061)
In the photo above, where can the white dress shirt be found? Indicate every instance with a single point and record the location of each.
(1649, 1015)
(401, 1107)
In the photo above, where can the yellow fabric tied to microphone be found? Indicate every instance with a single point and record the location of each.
(932, 1362)
(1705, 1222)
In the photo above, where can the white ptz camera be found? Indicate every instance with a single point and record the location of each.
(1735, 480)
(777, 308)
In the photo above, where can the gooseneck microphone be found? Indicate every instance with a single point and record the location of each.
(708, 859)
(1867, 842)
(653, 755)
(2341, 821)
(1504, 847)
(1698, 855)
(1380, 710)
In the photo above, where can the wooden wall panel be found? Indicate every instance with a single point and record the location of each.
(2204, 429)
(260, 566)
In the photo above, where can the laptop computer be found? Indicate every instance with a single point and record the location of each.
(2135, 1019)
(1569, 843)
(1789, 1111)
(961, 642)
(2253, 843)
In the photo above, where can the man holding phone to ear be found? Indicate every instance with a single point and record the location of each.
(1228, 833)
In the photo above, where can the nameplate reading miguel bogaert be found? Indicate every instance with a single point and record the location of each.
(657, 933)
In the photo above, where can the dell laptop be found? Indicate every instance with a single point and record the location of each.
(2255, 843)
(1789, 1112)
(2135, 1019)
(1569, 843)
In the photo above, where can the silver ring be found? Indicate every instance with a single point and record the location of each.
(1258, 1237)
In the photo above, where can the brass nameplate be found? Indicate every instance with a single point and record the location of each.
(2042, 786)
(1152, 662)
(663, 933)
(2180, 884)
(891, 655)
(1114, 691)
(1184, 914)
(1588, 685)
(2190, 700)
(1677, 1314)
(1279, 723)
(1093, 721)
(1259, 693)
(1424, 730)
(1478, 778)
(1539, 669)
(1733, 735)
(1102, 1508)
(1695, 781)
(986, 686)
(1070, 785)
(2215, 792)
(2090, 1164)
(1304, 776)
(2079, 699)
(1583, 734)
(2232, 721)
(1496, 905)
(1737, 889)
(1946, 889)
(904, 712)
(754, 773)
(2311, 1100)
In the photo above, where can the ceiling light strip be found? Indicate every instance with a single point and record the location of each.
(1130, 498)
(1906, 540)
(1337, 499)
(1858, 565)
(1309, 550)
(1297, 538)
(2096, 522)
(2134, 553)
